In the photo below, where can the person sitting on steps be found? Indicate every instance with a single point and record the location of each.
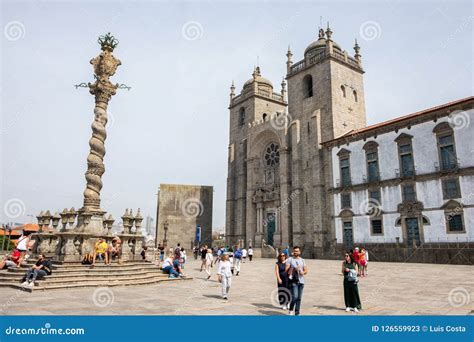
(100, 250)
(39, 270)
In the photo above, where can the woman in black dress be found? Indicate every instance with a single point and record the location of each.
(284, 294)
(351, 290)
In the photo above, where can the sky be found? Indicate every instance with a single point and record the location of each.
(180, 59)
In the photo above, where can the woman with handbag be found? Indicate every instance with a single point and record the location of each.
(351, 290)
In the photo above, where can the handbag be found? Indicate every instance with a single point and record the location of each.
(352, 276)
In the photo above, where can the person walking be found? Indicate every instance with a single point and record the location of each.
(208, 262)
(203, 257)
(284, 295)
(351, 290)
(237, 260)
(362, 262)
(224, 275)
(250, 252)
(244, 255)
(296, 269)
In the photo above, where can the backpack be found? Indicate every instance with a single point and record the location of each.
(238, 254)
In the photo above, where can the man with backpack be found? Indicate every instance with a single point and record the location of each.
(237, 260)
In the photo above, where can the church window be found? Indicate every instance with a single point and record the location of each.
(453, 212)
(241, 116)
(272, 155)
(308, 86)
(343, 90)
(355, 95)
(264, 116)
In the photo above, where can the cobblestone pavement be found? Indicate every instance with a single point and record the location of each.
(390, 289)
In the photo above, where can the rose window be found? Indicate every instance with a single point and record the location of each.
(272, 155)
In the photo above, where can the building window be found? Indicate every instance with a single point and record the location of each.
(451, 188)
(447, 152)
(371, 156)
(405, 155)
(308, 85)
(241, 116)
(345, 172)
(453, 212)
(344, 167)
(374, 197)
(345, 200)
(408, 193)
(455, 224)
(376, 227)
(406, 160)
(343, 90)
(446, 147)
(272, 155)
(355, 95)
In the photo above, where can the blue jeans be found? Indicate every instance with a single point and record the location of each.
(297, 294)
(170, 270)
(33, 274)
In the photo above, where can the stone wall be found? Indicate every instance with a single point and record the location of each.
(184, 207)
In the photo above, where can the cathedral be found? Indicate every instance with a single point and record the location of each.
(288, 173)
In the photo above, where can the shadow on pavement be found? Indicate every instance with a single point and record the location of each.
(272, 313)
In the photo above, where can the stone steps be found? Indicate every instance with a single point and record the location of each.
(76, 275)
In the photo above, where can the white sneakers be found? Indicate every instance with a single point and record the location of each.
(355, 310)
(352, 309)
(26, 282)
(291, 313)
(348, 309)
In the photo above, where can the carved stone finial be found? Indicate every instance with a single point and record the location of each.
(321, 33)
(328, 32)
(357, 55)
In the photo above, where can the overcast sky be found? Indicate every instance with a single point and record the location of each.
(180, 58)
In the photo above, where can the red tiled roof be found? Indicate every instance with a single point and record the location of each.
(408, 117)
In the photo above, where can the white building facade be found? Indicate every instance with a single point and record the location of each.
(407, 182)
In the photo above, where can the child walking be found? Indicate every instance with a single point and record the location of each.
(224, 275)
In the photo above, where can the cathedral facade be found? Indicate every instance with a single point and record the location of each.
(283, 167)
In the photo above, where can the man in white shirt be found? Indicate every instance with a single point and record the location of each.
(244, 254)
(250, 253)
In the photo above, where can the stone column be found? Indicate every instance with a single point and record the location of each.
(297, 230)
(104, 65)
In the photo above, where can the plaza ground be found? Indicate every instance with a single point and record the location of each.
(390, 289)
